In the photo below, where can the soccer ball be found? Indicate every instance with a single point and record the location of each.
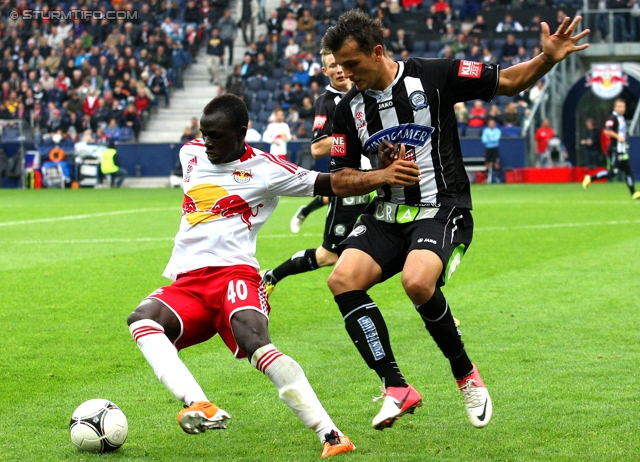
(98, 425)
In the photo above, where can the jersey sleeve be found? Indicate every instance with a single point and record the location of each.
(469, 80)
(285, 178)
(323, 113)
(346, 149)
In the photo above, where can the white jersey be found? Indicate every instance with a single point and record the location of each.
(225, 206)
(277, 131)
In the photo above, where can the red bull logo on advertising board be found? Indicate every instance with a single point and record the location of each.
(207, 202)
(606, 80)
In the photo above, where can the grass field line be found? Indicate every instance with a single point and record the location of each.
(560, 225)
(84, 216)
(284, 236)
(124, 240)
(560, 202)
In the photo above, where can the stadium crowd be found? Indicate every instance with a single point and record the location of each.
(281, 69)
(76, 69)
(88, 72)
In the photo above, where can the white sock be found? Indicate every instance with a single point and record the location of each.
(294, 388)
(163, 358)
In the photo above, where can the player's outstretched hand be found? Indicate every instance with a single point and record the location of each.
(558, 46)
(398, 172)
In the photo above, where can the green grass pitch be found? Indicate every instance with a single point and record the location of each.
(548, 297)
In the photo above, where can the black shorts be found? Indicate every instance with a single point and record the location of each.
(492, 154)
(448, 234)
(342, 214)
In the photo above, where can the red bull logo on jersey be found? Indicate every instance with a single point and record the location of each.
(242, 176)
(208, 202)
(606, 80)
(233, 205)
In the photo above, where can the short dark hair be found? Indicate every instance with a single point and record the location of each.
(362, 28)
(232, 106)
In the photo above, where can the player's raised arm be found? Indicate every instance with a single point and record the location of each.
(555, 48)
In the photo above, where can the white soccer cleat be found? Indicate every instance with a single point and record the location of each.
(297, 220)
(476, 399)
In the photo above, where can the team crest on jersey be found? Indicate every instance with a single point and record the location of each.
(418, 100)
(339, 230)
(242, 176)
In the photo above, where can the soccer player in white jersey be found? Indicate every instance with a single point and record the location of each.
(230, 189)
(404, 112)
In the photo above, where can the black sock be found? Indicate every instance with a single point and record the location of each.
(366, 327)
(439, 321)
(315, 204)
(301, 262)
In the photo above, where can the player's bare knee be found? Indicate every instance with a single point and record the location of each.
(336, 283)
(416, 288)
(250, 330)
(148, 309)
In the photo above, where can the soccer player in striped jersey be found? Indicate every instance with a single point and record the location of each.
(616, 129)
(402, 113)
(230, 190)
(343, 211)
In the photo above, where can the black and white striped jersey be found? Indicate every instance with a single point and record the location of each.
(415, 110)
(323, 110)
(618, 124)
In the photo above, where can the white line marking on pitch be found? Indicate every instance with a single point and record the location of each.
(561, 225)
(124, 240)
(82, 217)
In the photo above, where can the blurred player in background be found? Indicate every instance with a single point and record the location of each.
(230, 190)
(278, 134)
(343, 211)
(616, 129)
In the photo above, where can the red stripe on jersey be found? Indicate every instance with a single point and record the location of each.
(290, 166)
(266, 360)
(248, 153)
(144, 331)
(195, 142)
